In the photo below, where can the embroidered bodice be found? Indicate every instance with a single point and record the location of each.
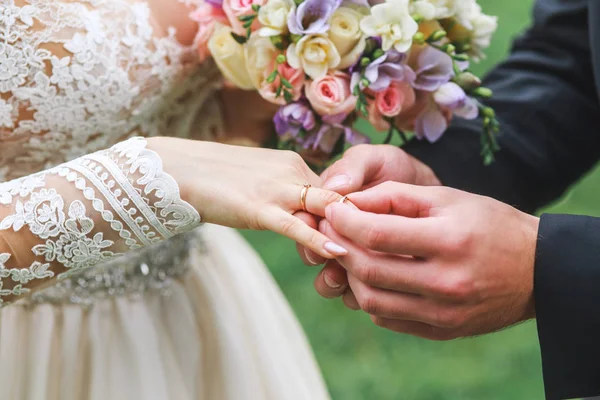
(81, 82)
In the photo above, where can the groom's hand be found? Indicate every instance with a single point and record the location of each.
(436, 262)
(362, 167)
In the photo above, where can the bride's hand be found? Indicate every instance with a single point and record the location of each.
(248, 188)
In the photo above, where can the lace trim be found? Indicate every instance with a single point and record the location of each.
(145, 207)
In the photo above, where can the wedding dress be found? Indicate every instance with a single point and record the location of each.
(138, 301)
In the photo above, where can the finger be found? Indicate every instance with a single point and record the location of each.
(317, 200)
(332, 281)
(359, 166)
(397, 199)
(309, 257)
(417, 329)
(350, 300)
(279, 221)
(385, 233)
(386, 271)
(402, 306)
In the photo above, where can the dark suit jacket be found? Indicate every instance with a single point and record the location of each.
(547, 100)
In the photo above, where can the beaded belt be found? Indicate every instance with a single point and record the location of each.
(151, 269)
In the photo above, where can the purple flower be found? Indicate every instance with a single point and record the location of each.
(447, 100)
(312, 16)
(388, 68)
(433, 68)
(329, 134)
(293, 118)
(453, 97)
(215, 3)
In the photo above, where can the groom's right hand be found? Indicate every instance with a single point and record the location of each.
(360, 168)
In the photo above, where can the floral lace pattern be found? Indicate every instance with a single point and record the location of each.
(77, 77)
(145, 207)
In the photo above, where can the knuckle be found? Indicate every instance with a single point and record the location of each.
(459, 288)
(288, 226)
(328, 197)
(379, 321)
(369, 304)
(449, 318)
(367, 273)
(459, 242)
(374, 237)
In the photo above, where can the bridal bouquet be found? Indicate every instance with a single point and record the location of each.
(401, 64)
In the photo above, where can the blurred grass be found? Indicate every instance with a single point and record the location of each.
(361, 361)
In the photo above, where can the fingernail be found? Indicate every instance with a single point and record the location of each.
(330, 282)
(337, 182)
(335, 249)
(309, 258)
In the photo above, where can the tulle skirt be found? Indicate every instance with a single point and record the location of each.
(223, 332)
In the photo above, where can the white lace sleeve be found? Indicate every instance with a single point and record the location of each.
(74, 216)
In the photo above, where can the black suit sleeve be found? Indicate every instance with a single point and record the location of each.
(546, 101)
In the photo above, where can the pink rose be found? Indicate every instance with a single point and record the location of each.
(238, 8)
(331, 94)
(294, 76)
(390, 103)
(206, 16)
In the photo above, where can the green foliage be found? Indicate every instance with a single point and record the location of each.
(361, 361)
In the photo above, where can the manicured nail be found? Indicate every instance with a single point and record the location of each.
(337, 182)
(335, 249)
(309, 258)
(330, 282)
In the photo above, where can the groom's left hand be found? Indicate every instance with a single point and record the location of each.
(436, 262)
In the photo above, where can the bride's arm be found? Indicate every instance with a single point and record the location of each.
(72, 217)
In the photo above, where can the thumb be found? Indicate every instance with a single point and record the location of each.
(355, 170)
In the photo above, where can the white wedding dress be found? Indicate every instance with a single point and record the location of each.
(138, 302)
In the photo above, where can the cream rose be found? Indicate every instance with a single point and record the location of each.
(273, 17)
(230, 58)
(331, 94)
(260, 54)
(314, 54)
(346, 35)
(392, 21)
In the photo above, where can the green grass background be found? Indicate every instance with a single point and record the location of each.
(361, 361)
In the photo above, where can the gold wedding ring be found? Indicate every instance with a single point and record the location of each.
(303, 195)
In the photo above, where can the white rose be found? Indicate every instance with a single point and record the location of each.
(393, 23)
(484, 27)
(260, 53)
(314, 54)
(346, 35)
(273, 16)
(230, 58)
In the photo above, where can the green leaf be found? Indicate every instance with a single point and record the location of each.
(278, 92)
(289, 98)
(245, 18)
(272, 76)
(286, 83)
(239, 38)
(248, 24)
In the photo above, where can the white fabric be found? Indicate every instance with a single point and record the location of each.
(77, 77)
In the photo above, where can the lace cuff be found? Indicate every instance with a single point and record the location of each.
(84, 212)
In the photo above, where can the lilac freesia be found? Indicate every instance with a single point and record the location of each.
(329, 134)
(388, 68)
(433, 68)
(294, 117)
(447, 100)
(312, 16)
(215, 3)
